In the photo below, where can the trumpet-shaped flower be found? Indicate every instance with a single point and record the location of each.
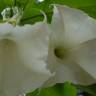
(23, 51)
(72, 49)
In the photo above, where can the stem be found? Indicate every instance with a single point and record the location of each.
(39, 15)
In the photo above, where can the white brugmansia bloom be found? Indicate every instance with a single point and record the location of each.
(72, 50)
(23, 51)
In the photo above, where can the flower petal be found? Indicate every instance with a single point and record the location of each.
(74, 26)
(5, 30)
(24, 59)
(70, 27)
(85, 56)
(67, 70)
(33, 50)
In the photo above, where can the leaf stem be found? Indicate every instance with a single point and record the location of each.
(39, 15)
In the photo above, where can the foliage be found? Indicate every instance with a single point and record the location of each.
(57, 90)
(32, 8)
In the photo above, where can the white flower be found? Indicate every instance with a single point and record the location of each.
(71, 53)
(23, 51)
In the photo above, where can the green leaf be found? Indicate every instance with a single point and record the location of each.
(5, 3)
(57, 90)
(89, 90)
(32, 16)
(91, 10)
(76, 3)
(21, 3)
(32, 12)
